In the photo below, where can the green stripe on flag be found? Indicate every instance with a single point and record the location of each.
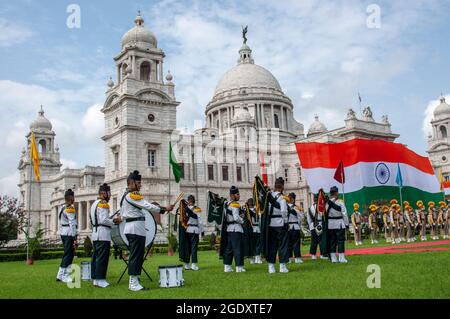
(176, 169)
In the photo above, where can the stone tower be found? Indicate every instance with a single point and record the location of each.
(439, 140)
(49, 165)
(140, 116)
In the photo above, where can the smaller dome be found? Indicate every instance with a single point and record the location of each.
(41, 122)
(110, 83)
(139, 36)
(317, 127)
(442, 110)
(169, 76)
(242, 115)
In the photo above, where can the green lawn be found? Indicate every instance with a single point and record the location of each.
(406, 275)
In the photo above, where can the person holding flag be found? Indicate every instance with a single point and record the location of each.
(337, 225)
(192, 234)
(295, 216)
(316, 224)
(255, 239)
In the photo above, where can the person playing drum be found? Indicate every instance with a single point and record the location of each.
(131, 205)
(101, 236)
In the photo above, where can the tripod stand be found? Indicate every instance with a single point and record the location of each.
(126, 263)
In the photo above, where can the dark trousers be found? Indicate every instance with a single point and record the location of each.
(337, 239)
(294, 243)
(137, 251)
(234, 249)
(256, 244)
(69, 251)
(100, 259)
(316, 240)
(278, 243)
(192, 241)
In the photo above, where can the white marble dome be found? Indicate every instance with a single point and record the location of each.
(317, 127)
(247, 75)
(442, 110)
(139, 36)
(41, 122)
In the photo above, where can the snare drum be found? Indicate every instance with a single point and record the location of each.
(85, 270)
(171, 276)
(120, 240)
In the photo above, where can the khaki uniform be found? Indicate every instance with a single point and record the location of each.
(422, 221)
(393, 215)
(440, 222)
(356, 221)
(401, 225)
(446, 223)
(432, 222)
(410, 226)
(387, 227)
(373, 225)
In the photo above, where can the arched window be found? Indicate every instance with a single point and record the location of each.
(443, 131)
(275, 121)
(124, 69)
(242, 132)
(42, 146)
(145, 71)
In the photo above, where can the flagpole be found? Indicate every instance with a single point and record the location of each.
(401, 199)
(168, 202)
(29, 203)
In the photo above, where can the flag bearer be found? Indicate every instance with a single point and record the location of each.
(234, 217)
(101, 223)
(422, 220)
(193, 231)
(373, 223)
(337, 224)
(256, 234)
(387, 224)
(295, 216)
(68, 232)
(440, 219)
(356, 222)
(314, 220)
(432, 220)
(277, 239)
(132, 204)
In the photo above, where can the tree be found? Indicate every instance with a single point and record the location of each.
(10, 214)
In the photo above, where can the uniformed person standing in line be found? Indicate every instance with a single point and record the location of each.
(295, 216)
(101, 223)
(440, 220)
(387, 224)
(373, 223)
(446, 221)
(393, 217)
(337, 224)
(193, 231)
(314, 220)
(401, 221)
(410, 224)
(277, 239)
(256, 234)
(234, 218)
(432, 220)
(422, 220)
(356, 222)
(68, 232)
(131, 204)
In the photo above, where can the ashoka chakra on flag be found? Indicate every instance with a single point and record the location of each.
(371, 167)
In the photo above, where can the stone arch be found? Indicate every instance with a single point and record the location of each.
(443, 131)
(276, 121)
(145, 71)
(42, 146)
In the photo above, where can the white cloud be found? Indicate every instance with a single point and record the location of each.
(8, 184)
(93, 122)
(12, 33)
(66, 163)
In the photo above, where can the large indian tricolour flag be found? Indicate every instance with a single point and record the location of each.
(446, 189)
(371, 168)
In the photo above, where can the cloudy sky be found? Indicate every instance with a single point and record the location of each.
(321, 52)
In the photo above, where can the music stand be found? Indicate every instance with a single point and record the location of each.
(126, 263)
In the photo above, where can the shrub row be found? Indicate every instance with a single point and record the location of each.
(43, 255)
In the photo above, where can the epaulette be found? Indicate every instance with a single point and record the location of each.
(136, 196)
(197, 209)
(103, 204)
(286, 198)
(70, 210)
(297, 207)
(235, 205)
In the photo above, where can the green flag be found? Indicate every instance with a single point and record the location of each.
(215, 208)
(176, 169)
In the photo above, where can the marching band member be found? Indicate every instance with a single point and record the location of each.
(393, 217)
(193, 231)
(277, 239)
(337, 224)
(432, 220)
(373, 223)
(440, 220)
(234, 219)
(68, 232)
(314, 220)
(256, 234)
(295, 215)
(446, 221)
(401, 221)
(131, 204)
(356, 222)
(410, 223)
(422, 220)
(387, 224)
(101, 236)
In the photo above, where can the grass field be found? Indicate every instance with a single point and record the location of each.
(405, 275)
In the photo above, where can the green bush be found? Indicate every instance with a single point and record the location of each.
(42, 256)
(87, 245)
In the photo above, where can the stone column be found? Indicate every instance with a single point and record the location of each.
(118, 74)
(272, 114)
(282, 126)
(161, 72)
(80, 220)
(88, 223)
(220, 120)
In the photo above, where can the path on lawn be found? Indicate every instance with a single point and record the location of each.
(402, 248)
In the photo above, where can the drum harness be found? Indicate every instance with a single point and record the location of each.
(133, 219)
(60, 215)
(95, 223)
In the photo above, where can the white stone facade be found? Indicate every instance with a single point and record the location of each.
(248, 119)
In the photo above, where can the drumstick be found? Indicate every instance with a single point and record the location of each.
(178, 198)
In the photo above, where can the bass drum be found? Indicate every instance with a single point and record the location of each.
(120, 240)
